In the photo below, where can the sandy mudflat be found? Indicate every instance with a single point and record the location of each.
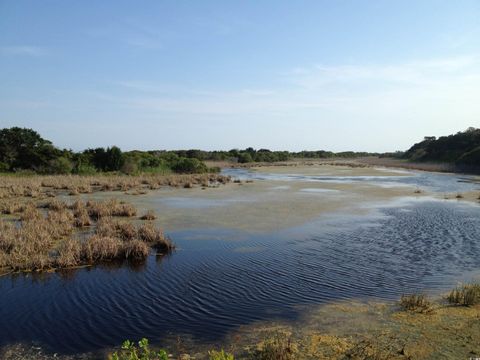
(269, 205)
(330, 170)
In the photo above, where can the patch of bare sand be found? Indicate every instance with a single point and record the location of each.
(326, 169)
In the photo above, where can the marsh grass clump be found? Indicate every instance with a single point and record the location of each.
(69, 253)
(111, 207)
(30, 212)
(126, 210)
(149, 215)
(155, 237)
(136, 249)
(416, 303)
(81, 218)
(56, 205)
(465, 295)
(97, 210)
(126, 230)
(278, 347)
(101, 248)
(11, 207)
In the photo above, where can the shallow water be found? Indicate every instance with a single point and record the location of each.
(219, 279)
(427, 181)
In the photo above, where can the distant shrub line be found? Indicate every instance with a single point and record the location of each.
(25, 150)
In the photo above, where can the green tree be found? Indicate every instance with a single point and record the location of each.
(189, 166)
(22, 148)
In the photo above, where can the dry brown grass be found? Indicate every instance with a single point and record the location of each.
(155, 237)
(466, 295)
(100, 248)
(44, 236)
(41, 187)
(136, 249)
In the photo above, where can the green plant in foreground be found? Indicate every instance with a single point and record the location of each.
(130, 351)
(219, 355)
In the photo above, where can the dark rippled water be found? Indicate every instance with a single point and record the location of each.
(218, 280)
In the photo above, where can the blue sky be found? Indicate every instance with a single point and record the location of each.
(336, 75)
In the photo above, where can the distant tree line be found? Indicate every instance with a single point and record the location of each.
(264, 155)
(25, 150)
(461, 149)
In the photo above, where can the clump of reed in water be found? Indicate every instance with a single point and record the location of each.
(466, 295)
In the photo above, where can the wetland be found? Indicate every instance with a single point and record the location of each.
(305, 250)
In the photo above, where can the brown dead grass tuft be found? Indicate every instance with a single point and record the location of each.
(149, 215)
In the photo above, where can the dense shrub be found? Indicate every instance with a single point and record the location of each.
(189, 166)
(462, 148)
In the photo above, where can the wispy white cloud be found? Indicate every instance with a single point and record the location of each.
(408, 73)
(371, 89)
(25, 50)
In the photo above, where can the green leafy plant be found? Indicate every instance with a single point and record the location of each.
(219, 355)
(130, 351)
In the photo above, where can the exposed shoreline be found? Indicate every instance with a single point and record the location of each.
(345, 329)
(370, 161)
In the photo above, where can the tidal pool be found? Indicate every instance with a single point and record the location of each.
(324, 240)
